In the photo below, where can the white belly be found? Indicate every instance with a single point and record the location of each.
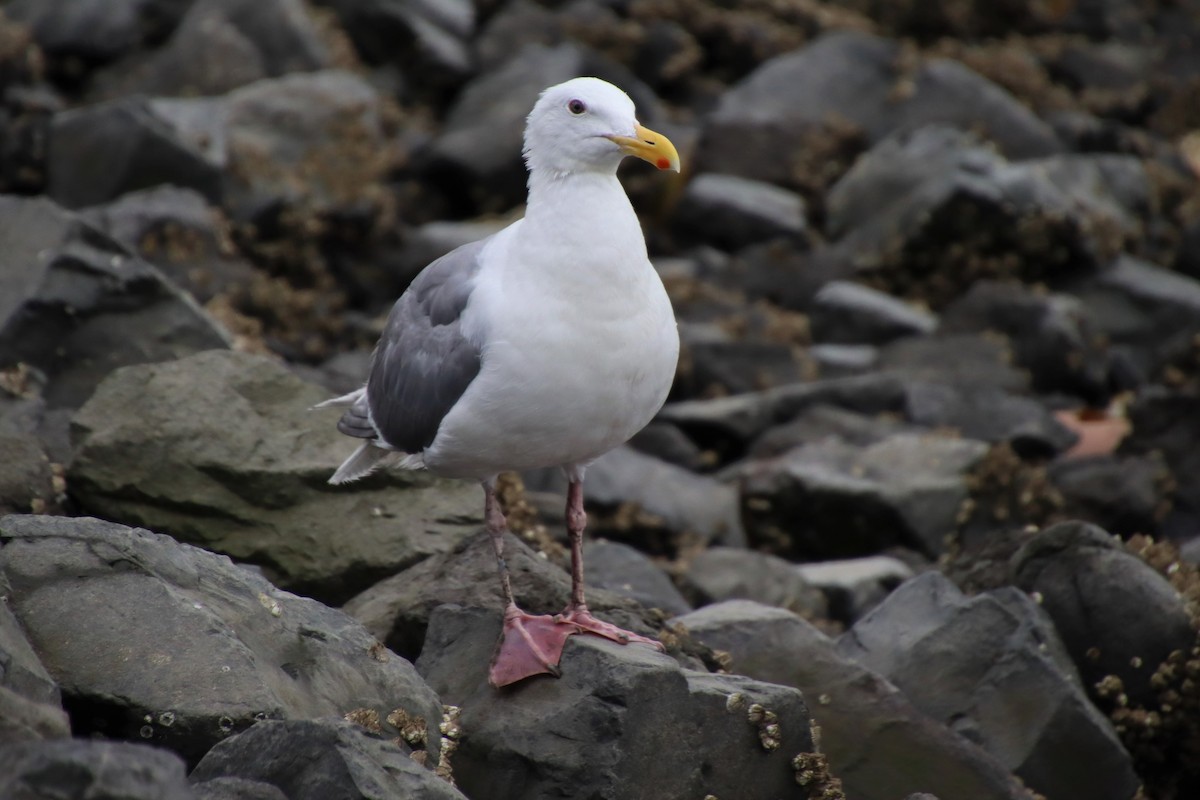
(562, 383)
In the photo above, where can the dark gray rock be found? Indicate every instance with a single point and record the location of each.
(76, 304)
(1115, 613)
(431, 241)
(964, 360)
(852, 76)
(732, 212)
(843, 360)
(397, 610)
(76, 768)
(678, 500)
(847, 313)
(989, 415)
(992, 668)
(728, 573)
(314, 759)
(623, 570)
(728, 424)
(479, 149)
(176, 230)
(1122, 494)
(945, 219)
(182, 648)
(429, 38)
(1152, 312)
(731, 365)
(95, 30)
(30, 702)
(97, 152)
(221, 450)
(1167, 423)
(236, 789)
(853, 586)
(26, 477)
(877, 742)
(220, 45)
(622, 721)
(666, 442)
(1051, 335)
(830, 499)
(822, 422)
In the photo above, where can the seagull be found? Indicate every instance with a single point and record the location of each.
(547, 344)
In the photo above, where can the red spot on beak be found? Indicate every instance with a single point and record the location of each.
(663, 163)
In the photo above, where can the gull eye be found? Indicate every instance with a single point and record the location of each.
(576, 106)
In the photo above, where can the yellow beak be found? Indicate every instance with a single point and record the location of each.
(649, 146)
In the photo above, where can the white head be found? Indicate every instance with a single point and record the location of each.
(588, 125)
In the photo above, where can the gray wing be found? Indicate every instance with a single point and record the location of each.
(423, 363)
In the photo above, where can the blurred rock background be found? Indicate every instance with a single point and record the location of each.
(928, 478)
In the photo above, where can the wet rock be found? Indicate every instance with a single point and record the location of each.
(626, 571)
(598, 730)
(1115, 613)
(853, 586)
(731, 212)
(831, 499)
(1053, 336)
(852, 76)
(842, 360)
(431, 241)
(220, 45)
(176, 230)
(719, 364)
(728, 424)
(677, 500)
(82, 768)
(992, 668)
(728, 573)
(479, 149)
(95, 30)
(877, 742)
(76, 304)
(847, 313)
(313, 759)
(180, 647)
(990, 415)
(98, 152)
(220, 450)
(26, 476)
(1124, 495)
(429, 39)
(397, 610)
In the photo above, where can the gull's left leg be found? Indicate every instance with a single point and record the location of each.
(576, 611)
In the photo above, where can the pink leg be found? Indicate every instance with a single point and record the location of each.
(576, 612)
(529, 645)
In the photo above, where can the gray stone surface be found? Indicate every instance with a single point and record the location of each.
(848, 313)
(621, 722)
(731, 212)
(830, 499)
(728, 573)
(79, 768)
(853, 586)
(322, 758)
(1115, 613)
(877, 742)
(627, 571)
(75, 304)
(993, 668)
(181, 647)
(221, 450)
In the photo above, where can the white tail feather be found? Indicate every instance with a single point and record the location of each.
(341, 402)
(366, 459)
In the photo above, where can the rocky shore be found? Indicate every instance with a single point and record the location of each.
(921, 518)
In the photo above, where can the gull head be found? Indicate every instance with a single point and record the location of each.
(588, 125)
